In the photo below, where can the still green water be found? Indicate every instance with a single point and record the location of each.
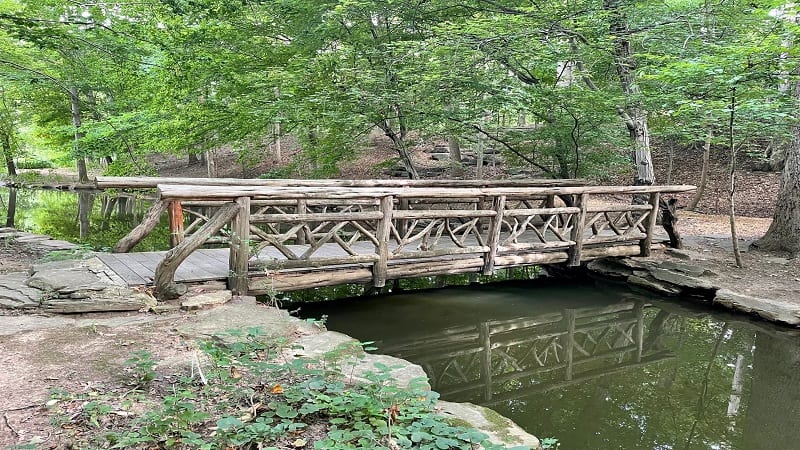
(595, 366)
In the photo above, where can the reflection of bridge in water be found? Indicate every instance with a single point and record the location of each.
(501, 360)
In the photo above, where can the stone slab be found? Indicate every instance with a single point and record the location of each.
(58, 279)
(205, 299)
(500, 430)
(772, 310)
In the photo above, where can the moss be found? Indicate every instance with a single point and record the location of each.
(499, 424)
(456, 422)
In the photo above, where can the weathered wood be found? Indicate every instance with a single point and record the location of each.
(151, 182)
(240, 248)
(669, 220)
(443, 214)
(302, 204)
(383, 234)
(145, 227)
(315, 217)
(165, 272)
(176, 232)
(651, 224)
(496, 225)
(197, 192)
(541, 211)
(581, 202)
(287, 282)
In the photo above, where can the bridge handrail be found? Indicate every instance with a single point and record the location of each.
(484, 230)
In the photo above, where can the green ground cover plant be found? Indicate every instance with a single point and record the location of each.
(248, 392)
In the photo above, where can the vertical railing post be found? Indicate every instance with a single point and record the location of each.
(574, 253)
(382, 235)
(301, 233)
(495, 227)
(240, 248)
(176, 233)
(404, 205)
(644, 244)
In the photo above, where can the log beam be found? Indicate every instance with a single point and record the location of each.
(145, 227)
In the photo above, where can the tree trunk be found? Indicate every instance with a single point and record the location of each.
(454, 149)
(634, 114)
(784, 233)
(193, 159)
(83, 174)
(12, 207)
(85, 202)
(7, 155)
(737, 255)
(211, 164)
(703, 173)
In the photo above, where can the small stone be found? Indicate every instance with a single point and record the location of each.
(206, 299)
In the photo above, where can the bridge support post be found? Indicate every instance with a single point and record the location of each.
(574, 253)
(176, 232)
(644, 244)
(382, 235)
(496, 226)
(145, 227)
(240, 248)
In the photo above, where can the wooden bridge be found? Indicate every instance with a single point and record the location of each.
(284, 235)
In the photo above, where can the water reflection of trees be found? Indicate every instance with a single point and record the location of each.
(627, 376)
(96, 220)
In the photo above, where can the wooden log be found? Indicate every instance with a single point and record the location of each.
(618, 208)
(429, 268)
(541, 246)
(574, 252)
(165, 271)
(316, 217)
(495, 227)
(383, 234)
(286, 282)
(176, 232)
(607, 252)
(145, 227)
(240, 248)
(669, 220)
(449, 251)
(152, 182)
(651, 224)
(506, 261)
(605, 240)
(195, 192)
(443, 214)
(302, 206)
(312, 263)
(542, 211)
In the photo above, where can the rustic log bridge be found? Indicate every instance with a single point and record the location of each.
(284, 237)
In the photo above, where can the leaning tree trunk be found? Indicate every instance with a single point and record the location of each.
(454, 149)
(703, 174)
(784, 233)
(83, 173)
(634, 115)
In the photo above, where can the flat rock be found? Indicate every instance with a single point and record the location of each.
(327, 345)
(402, 372)
(772, 310)
(242, 314)
(66, 264)
(500, 430)
(198, 301)
(110, 299)
(58, 279)
(681, 280)
(653, 285)
(15, 294)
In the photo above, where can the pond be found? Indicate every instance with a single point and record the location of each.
(92, 219)
(595, 366)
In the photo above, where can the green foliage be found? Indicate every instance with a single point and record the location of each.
(256, 397)
(141, 368)
(27, 163)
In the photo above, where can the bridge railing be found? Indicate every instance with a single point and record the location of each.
(288, 238)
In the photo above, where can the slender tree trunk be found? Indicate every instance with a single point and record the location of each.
(5, 140)
(83, 173)
(193, 159)
(12, 207)
(634, 114)
(703, 173)
(211, 164)
(737, 255)
(85, 202)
